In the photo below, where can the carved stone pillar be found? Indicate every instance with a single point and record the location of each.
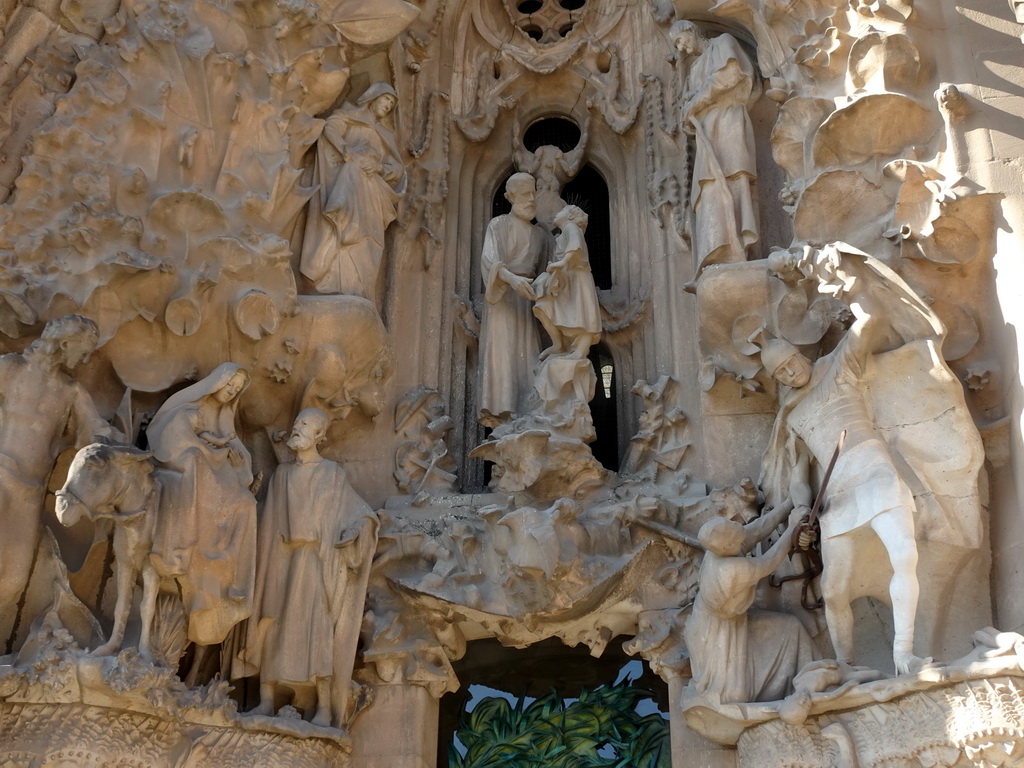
(399, 730)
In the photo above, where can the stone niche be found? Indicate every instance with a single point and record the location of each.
(344, 340)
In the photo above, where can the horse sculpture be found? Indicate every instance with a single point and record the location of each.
(118, 482)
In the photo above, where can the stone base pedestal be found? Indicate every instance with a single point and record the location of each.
(972, 723)
(689, 748)
(84, 736)
(399, 730)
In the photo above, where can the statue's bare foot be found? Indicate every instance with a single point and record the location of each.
(323, 717)
(909, 664)
(265, 707)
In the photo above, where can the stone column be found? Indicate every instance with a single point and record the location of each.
(690, 749)
(399, 730)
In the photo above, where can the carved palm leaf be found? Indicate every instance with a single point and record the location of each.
(170, 631)
(600, 729)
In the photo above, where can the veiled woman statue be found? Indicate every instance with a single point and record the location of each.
(206, 532)
(359, 169)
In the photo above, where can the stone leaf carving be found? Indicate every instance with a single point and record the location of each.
(371, 22)
(794, 129)
(305, 364)
(845, 206)
(877, 125)
(881, 62)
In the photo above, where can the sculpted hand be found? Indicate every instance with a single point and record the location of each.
(796, 516)
(369, 164)
(807, 535)
(235, 457)
(524, 287)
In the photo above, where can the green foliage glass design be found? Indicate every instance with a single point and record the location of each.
(552, 733)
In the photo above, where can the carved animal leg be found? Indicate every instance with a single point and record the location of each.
(125, 592)
(323, 702)
(895, 528)
(150, 589)
(202, 652)
(839, 554)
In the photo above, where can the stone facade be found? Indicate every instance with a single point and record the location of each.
(339, 335)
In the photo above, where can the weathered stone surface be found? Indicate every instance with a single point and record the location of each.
(804, 214)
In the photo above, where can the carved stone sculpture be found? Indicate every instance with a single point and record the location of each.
(107, 481)
(423, 463)
(359, 170)
(207, 540)
(552, 168)
(656, 451)
(543, 450)
(567, 303)
(41, 407)
(719, 85)
(905, 474)
(509, 342)
(317, 537)
(739, 654)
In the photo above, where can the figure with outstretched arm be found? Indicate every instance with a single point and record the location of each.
(871, 497)
(739, 654)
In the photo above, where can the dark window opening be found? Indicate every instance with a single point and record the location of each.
(602, 409)
(535, 33)
(590, 192)
(555, 131)
(572, 5)
(529, 6)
